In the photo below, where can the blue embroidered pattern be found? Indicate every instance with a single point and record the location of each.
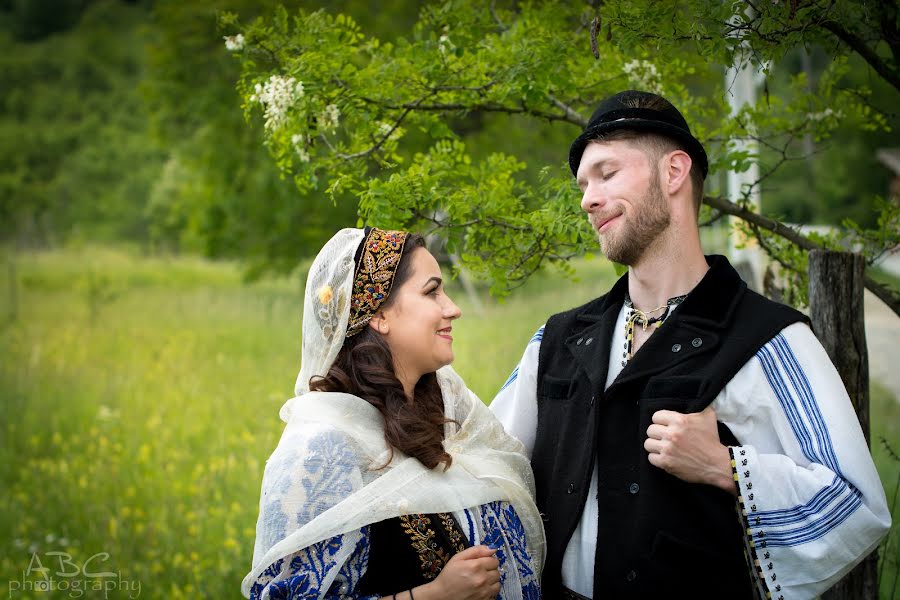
(310, 566)
(327, 469)
(503, 529)
(328, 465)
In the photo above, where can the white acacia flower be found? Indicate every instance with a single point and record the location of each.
(643, 74)
(390, 130)
(277, 95)
(299, 143)
(329, 117)
(444, 44)
(821, 116)
(234, 43)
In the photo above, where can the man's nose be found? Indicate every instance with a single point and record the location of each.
(592, 199)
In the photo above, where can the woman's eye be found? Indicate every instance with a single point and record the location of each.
(609, 175)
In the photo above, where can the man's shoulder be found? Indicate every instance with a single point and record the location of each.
(768, 308)
(567, 317)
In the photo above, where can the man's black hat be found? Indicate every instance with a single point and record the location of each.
(617, 112)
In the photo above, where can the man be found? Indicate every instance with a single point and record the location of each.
(689, 438)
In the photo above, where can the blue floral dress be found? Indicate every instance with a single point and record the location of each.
(306, 573)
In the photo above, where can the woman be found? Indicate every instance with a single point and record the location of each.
(391, 479)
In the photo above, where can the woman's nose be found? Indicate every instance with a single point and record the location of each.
(451, 310)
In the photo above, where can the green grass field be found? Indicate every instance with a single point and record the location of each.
(140, 400)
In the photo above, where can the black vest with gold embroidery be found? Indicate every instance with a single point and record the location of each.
(657, 536)
(408, 551)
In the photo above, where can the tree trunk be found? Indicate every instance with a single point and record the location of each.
(836, 290)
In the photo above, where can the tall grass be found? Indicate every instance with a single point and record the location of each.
(140, 400)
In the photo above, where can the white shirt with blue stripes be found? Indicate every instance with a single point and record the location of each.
(812, 500)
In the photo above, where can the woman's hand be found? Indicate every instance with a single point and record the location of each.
(473, 574)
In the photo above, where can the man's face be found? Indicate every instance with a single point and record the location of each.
(623, 199)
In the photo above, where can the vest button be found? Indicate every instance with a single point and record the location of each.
(634, 488)
(571, 488)
(696, 342)
(631, 576)
(588, 341)
(676, 347)
(578, 343)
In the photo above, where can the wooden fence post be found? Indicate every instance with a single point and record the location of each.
(836, 309)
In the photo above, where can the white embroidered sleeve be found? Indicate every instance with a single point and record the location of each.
(515, 405)
(310, 471)
(812, 502)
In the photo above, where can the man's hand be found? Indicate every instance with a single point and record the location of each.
(688, 447)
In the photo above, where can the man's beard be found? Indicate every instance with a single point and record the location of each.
(642, 226)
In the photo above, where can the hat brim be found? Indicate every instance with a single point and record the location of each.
(693, 147)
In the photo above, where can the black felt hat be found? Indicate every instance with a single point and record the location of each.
(617, 112)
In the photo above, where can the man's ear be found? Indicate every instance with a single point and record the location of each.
(379, 323)
(677, 171)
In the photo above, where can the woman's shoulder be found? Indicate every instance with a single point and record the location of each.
(309, 441)
(331, 418)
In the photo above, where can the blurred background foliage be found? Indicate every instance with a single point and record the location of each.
(119, 121)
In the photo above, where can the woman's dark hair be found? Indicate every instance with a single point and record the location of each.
(364, 367)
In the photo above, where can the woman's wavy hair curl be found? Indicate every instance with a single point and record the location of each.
(364, 367)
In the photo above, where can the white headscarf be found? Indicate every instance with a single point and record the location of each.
(323, 478)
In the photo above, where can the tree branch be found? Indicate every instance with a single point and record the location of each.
(573, 115)
(568, 117)
(884, 293)
(868, 54)
(500, 24)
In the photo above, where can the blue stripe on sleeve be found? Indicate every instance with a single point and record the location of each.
(808, 400)
(818, 528)
(802, 512)
(779, 386)
(512, 377)
(535, 339)
(834, 503)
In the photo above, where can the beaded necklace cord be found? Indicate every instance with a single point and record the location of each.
(636, 316)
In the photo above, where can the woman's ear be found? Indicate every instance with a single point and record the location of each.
(379, 323)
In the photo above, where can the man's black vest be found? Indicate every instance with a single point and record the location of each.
(657, 536)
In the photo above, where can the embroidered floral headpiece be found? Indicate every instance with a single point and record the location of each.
(375, 269)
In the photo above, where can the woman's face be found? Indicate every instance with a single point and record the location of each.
(417, 323)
